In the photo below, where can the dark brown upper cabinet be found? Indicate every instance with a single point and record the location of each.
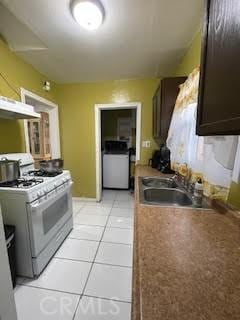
(163, 105)
(218, 103)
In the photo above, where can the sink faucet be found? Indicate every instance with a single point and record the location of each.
(178, 178)
(183, 180)
(175, 176)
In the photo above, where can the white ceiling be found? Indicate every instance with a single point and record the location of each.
(139, 38)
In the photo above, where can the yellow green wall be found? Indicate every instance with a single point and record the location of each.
(77, 113)
(191, 59)
(234, 195)
(78, 129)
(76, 104)
(19, 74)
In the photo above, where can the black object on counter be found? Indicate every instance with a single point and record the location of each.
(161, 160)
(10, 241)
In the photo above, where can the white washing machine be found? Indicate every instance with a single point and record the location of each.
(116, 165)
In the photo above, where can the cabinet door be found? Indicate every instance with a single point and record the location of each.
(169, 92)
(156, 114)
(154, 117)
(218, 105)
(34, 131)
(45, 135)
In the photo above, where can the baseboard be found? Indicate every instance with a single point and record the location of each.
(84, 199)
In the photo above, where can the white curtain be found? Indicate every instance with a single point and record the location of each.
(212, 158)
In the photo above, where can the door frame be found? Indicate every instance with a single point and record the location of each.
(53, 119)
(114, 106)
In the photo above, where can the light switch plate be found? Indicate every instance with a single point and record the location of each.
(146, 144)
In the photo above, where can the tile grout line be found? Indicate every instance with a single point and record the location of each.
(111, 242)
(89, 225)
(79, 296)
(84, 288)
(97, 250)
(94, 261)
(90, 262)
(47, 289)
(108, 299)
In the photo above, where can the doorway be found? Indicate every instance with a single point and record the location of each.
(42, 137)
(127, 122)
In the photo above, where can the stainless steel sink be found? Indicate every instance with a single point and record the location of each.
(174, 197)
(159, 182)
(166, 192)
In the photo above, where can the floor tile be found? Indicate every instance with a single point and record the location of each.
(99, 309)
(124, 196)
(40, 304)
(91, 219)
(97, 210)
(102, 203)
(116, 235)
(77, 205)
(123, 204)
(78, 250)
(109, 194)
(63, 275)
(120, 222)
(122, 212)
(115, 254)
(83, 232)
(110, 282)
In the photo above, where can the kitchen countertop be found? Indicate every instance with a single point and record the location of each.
(186, 262)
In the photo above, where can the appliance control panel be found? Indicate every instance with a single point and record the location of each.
(49, 188)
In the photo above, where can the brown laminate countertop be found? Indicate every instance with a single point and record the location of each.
(186, 262)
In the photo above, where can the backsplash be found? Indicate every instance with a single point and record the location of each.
(209, 158)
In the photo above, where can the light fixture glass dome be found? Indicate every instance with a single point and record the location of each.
(88, 13)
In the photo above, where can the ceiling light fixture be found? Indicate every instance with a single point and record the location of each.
(88, 13)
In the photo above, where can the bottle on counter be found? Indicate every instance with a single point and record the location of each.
(198, 193)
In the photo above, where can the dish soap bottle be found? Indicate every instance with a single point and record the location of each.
(198, 193)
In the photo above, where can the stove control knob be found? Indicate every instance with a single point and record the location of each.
(45, 190)
(39, 194)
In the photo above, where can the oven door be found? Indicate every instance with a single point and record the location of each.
(46, 216)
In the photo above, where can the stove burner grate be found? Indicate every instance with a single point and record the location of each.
(21, 183)
(41, 173)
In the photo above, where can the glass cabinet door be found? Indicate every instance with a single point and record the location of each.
(34, 131)
(39, 137)
(46, 135)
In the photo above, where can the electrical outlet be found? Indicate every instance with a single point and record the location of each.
(146, 144)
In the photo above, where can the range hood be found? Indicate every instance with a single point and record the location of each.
(11, 109)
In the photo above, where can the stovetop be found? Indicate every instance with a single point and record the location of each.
(41, 173)
(30, 179)
(34, 187)
(22, 183)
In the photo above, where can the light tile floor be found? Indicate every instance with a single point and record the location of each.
(90, 277)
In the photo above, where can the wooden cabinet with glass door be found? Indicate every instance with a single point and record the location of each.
(39, 137)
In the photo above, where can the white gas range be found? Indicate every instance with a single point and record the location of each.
(41, 209)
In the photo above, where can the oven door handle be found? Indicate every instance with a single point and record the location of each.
(35, 207)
